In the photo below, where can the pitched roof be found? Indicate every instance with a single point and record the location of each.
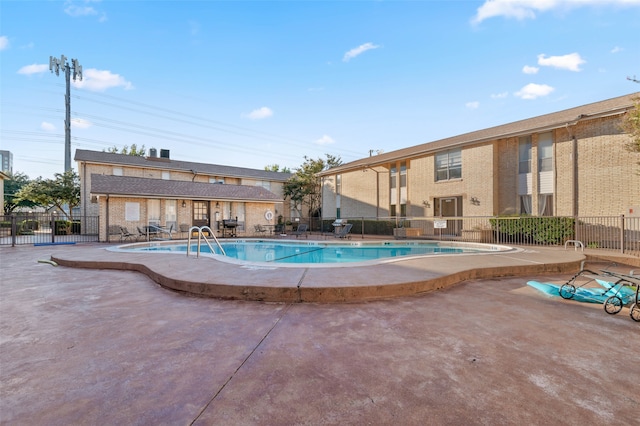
(143, 187)
(185, 166)
(541, 123)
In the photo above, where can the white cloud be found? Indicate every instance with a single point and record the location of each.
(499, 95)
(472, 105)
(260, 113)
(101, 80)
(47, 127)
(72, 8)
(569, 62)
(79, 123)
(533, 91)
(617, 49)
(325, 140)
(4, 42)
(530, 70)
(33, 69)
(358, 51)
(528, 9)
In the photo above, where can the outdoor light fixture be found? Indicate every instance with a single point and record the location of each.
(475, 201)
(217, 204)
(184, 204)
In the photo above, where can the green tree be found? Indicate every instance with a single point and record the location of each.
(63, 190)
(276, 168)
(304, 188)
(12, 186)
(126, 150)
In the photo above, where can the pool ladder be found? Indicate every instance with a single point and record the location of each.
(201, 236)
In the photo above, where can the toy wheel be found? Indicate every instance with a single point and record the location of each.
(634, 312)
(567, 291)
(613, 305)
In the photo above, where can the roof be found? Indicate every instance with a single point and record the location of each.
(541, 123)
(144, 187)
(185, 166)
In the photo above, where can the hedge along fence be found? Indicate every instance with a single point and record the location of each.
(533, 230)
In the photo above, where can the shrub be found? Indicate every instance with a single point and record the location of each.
(534, 230)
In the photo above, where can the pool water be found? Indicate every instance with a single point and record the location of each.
(321, 253)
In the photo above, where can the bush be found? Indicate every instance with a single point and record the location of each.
(62, 227)
(31, 225)
(534, 230)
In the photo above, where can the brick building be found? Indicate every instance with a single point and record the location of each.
(568, 163)
(135, 192)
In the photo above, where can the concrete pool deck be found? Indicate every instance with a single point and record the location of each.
(207, 276)
(83, 346)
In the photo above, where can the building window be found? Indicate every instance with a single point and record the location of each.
(545, 153)
(525, 204)
(153, 212)
(170, 214)
(265, 184)
(545, 205)
(117, 171)
(449, 165)
(524, 155)
(166, 175)
(393, 189)
(216, 180)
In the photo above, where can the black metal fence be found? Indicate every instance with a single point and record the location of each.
(46, 228)
(615, 233)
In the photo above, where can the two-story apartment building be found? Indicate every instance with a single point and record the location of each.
(133, 192)
(568, 163)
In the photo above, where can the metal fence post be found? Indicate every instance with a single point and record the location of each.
(622, 233)
(14, 230)
(53, 228)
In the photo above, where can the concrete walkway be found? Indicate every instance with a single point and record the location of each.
(82, 346)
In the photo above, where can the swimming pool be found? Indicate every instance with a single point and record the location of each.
(294, 253)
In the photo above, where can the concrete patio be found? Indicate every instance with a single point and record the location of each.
(99, 346)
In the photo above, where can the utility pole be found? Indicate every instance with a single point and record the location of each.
(54, 65)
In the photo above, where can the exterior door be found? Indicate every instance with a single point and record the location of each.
(201, 213)
(451, 207)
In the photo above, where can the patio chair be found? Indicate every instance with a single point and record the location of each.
(259, 229)
(303, 228)
(125, 234)
(345, 232)
(142, 232)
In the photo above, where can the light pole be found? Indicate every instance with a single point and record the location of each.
(54, 65)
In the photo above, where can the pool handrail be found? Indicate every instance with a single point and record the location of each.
(200, 236)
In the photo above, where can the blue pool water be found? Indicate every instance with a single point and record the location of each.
(320, 253)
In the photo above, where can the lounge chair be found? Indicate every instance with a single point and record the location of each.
(303, 229)
(345, 232)
(125, 234)
(259, 229)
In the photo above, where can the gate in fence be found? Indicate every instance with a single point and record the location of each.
(45, 228)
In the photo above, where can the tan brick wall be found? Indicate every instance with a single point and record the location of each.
(506, 176)
(608, 174)
(359, 193)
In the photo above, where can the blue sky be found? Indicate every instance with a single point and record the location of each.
(257, 83)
